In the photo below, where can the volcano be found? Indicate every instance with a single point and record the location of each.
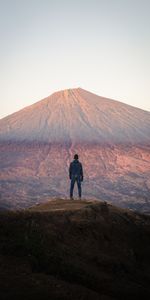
(74, 116)
(112, 139)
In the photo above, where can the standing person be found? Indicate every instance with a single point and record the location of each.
(75, 175)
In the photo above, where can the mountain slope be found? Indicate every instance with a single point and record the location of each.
(38, 143)
(76, 115)
(74, 250)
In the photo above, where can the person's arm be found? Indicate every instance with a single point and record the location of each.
(70, 170)
(81, 173)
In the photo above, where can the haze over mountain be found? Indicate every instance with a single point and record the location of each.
(112, 139)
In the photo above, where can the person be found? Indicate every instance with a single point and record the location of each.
(75, 175)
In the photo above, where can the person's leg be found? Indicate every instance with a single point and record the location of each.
(72, 187)
(79, 187)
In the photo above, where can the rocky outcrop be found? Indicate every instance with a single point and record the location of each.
(66, 249)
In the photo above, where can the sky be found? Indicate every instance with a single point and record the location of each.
(102, 46)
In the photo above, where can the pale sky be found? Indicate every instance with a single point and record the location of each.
(102, 46)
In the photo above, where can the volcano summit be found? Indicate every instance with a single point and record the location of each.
(75, 115)
(112, 139)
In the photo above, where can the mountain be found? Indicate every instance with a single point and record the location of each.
(112, 139)
(74, 116)
(74, 250)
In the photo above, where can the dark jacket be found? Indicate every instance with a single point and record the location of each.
(76, 170)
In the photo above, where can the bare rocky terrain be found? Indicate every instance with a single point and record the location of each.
(38, 143)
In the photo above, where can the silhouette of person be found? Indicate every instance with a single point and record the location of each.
(75, 175)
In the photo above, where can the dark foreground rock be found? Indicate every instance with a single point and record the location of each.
(74, 250)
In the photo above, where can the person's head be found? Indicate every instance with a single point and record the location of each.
(76, 156)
